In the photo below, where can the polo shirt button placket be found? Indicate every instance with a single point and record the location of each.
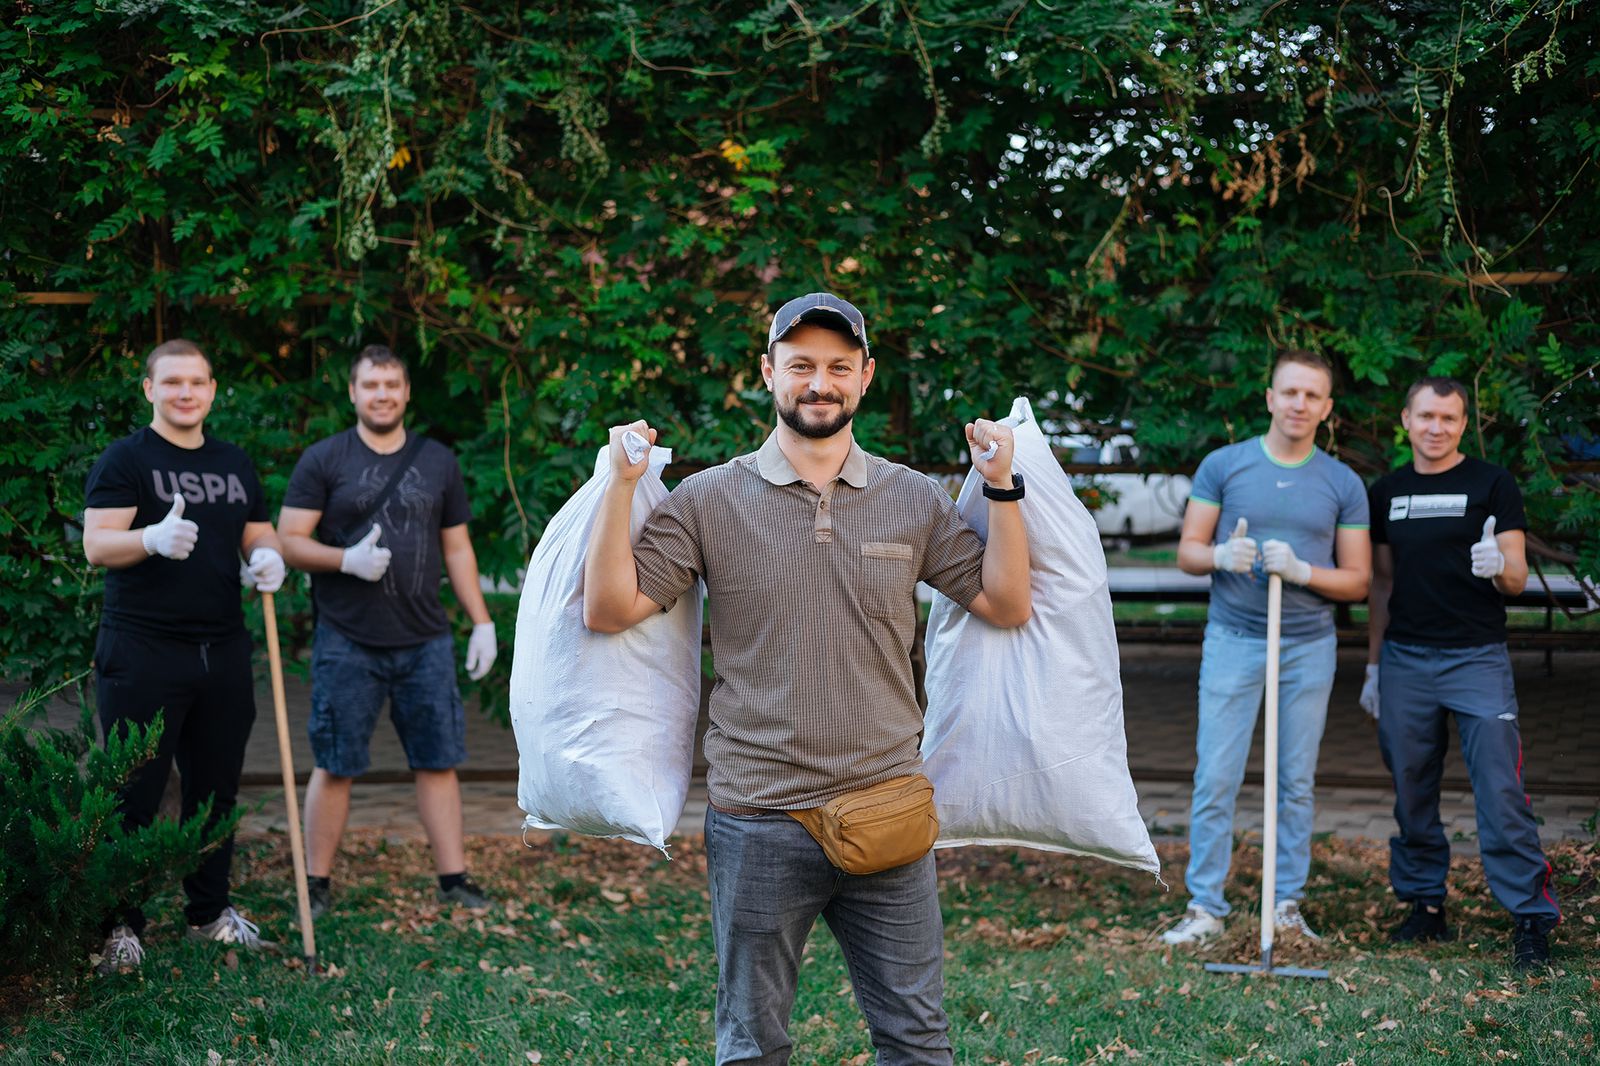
(823, 527)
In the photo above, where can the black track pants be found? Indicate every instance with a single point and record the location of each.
(207, 698)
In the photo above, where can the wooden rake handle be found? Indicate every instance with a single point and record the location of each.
(280, 711)
(1269, 798)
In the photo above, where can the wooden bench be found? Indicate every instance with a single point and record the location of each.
(1171, 585)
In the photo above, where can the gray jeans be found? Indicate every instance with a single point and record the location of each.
(769, 881)
(1419, 690)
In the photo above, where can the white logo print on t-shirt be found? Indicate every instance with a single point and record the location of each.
(1438, 505)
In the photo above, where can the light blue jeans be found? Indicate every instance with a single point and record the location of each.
(769, 883)
(1233, 674)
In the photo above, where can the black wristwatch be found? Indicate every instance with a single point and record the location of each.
(1004, 495)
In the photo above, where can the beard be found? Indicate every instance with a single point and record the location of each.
(795, 418)
(375, 426)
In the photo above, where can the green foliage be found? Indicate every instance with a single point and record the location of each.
(576, 214)
(66, 861)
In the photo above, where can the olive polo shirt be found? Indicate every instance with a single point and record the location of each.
(813, 615)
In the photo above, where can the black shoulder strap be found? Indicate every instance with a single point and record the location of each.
(363, 523)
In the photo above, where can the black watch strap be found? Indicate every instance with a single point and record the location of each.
(1004, 495)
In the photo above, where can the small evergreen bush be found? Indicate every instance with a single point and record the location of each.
(65, 859)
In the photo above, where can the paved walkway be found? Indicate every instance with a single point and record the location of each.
(1560, 729)
(1560, 726)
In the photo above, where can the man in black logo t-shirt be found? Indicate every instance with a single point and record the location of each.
(388, 511)
(1447, 533)
(169, 512)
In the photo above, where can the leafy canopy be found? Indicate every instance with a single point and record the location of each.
(574, 214)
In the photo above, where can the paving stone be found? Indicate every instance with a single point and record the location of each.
(1560, 728)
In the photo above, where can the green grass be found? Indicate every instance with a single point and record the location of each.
(1152, 613)
(606, 957)
(1147, 555)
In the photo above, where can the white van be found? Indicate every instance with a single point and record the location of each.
(1131, 505)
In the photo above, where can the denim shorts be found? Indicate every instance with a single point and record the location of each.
(349, 683)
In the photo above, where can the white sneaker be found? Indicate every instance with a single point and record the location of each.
(121, 953)
(231, 927)
(1286, 918)
(1197, 926)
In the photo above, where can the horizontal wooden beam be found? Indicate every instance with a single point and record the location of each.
(1511, 278)
(57, 298)
(316, 299)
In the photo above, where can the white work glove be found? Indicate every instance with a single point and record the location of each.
(264, 572)
(1237, 554)
(1369, 691)
(1278, 558)
(481, 650)
(1487, 559)
(365, 559)
(174, 536)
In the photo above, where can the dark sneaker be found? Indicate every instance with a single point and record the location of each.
(1426, 923)
(320, 892)
(121, 953)
(466, 894)
(231, 927)
(1530, 947)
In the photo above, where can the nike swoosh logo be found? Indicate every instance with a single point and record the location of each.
(1284, 484)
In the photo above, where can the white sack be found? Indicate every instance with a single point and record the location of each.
(604, 722)
(1023, 738)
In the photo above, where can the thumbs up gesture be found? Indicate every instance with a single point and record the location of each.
(1237, 554)
(364, 559)
(174, 536)
(1487, 559)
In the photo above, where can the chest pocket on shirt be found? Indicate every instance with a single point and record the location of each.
(886, 580)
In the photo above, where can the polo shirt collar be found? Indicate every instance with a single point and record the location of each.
(775, 468)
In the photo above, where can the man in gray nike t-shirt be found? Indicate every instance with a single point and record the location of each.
(1308, 512)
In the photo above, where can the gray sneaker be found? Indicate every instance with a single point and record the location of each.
(466, 894)
(121, 953)
(231, 927)
(1286, 917)
(1198, 926)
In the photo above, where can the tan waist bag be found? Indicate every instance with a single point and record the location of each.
(875, 828)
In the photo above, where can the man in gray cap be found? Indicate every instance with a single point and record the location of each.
(810, 550)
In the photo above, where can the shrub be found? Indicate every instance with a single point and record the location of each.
(65, 859)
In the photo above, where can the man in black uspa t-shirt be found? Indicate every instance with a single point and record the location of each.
(374, 514)
(169, 512)
(1448, 541)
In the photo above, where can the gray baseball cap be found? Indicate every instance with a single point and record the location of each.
(815, 305)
